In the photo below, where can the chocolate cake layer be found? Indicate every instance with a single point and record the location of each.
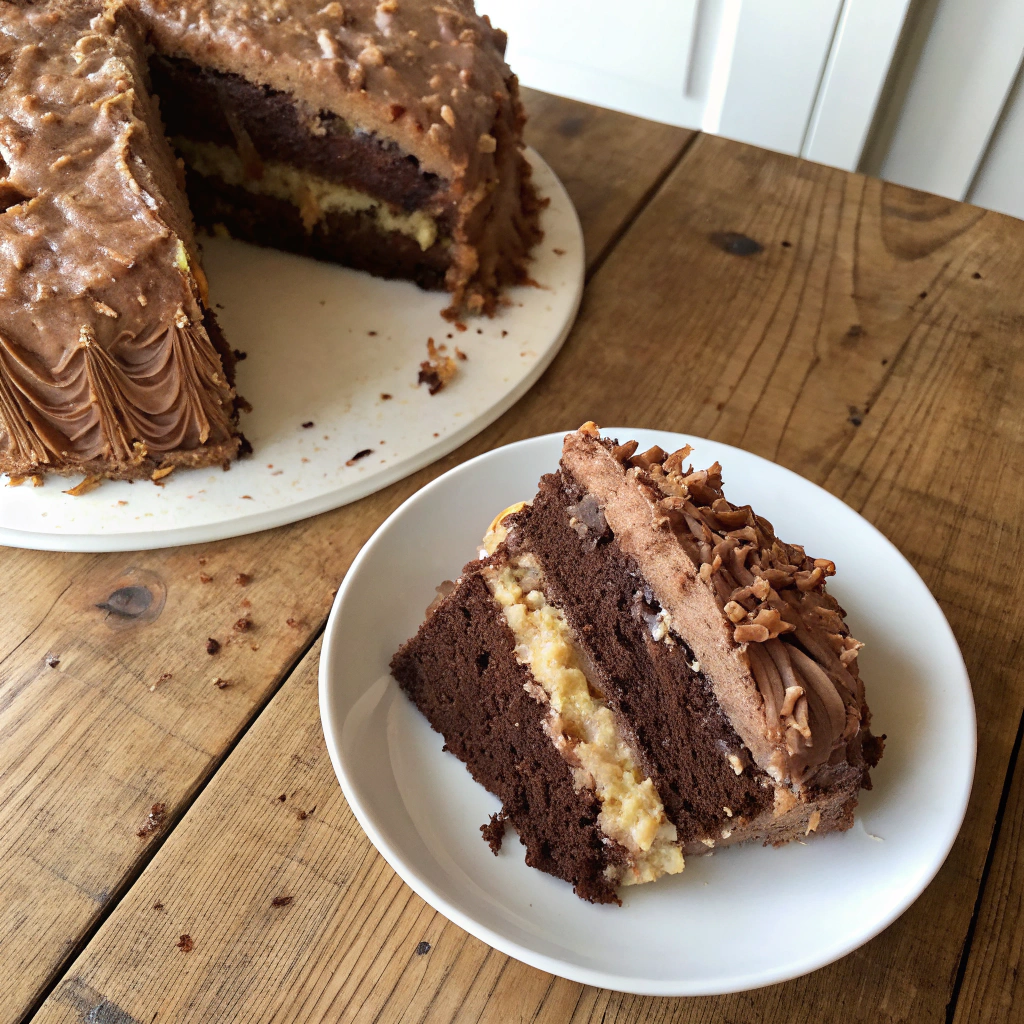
(238, 113)
(351, 239)
(461, 671)
(679, 731)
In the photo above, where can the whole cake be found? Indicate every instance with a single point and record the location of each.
(383, 135)
(640, 669)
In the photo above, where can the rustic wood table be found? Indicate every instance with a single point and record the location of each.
(176, 850)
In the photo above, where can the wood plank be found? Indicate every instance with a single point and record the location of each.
(873, 344)
(993, 989)
(129, 718)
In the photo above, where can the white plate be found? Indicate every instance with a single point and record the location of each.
(312, 358)
(738, 919)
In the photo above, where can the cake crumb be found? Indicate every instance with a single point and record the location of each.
(460, 354)
(52, 660)
(372, 334)
(437, 369)
(385, 397)
(460, 326)
(158, 905)
(358, 455)
(221, 684)
(159, 474)
(281, 901)
(558, 252)
(212, 646)
(293, 623)
(185, 943)
(239, 354)
(243, 625)
(422, 948)
(494, 831)
(205, 578)
(308, 424)
(155, 818)
(243, 579)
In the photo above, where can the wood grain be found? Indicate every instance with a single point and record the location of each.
(124, 719)
(869, 339)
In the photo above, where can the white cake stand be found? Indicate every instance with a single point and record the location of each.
(324, 345)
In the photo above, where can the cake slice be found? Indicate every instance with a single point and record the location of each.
(110, 363)
(639, 669)
(382, 134)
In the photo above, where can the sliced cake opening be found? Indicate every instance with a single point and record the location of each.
(382, 135)
(264, 169)
(696, 682)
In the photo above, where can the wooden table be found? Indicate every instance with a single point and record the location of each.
(175, 850)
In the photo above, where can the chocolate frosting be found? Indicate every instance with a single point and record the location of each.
(754, 609)
(103, 353)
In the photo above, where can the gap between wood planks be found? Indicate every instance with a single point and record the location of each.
(640, 206)
(154, 847)
(965, 952)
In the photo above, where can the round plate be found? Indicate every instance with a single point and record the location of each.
(324, 345)
(736, 919)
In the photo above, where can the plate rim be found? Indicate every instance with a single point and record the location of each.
(258, 522)
(629, 984)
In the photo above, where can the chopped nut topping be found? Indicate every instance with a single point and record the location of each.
(486, 143)
(90, 483)
(448, 115)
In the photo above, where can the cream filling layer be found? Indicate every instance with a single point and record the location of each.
(583, 728)
(315, 197)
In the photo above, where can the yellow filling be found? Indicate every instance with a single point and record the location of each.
(314, 196)
(582, 727)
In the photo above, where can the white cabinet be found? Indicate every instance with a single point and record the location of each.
(799, 76)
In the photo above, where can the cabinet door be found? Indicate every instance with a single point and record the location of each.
(752, 70)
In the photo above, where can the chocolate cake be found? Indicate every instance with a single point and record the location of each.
(382, 134)
(640, 669)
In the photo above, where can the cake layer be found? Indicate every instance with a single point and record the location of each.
(239, 113)
(314, 197)
(648, 676)
(354, 240)
(580, 724)
(461, 671)
(106, 366)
